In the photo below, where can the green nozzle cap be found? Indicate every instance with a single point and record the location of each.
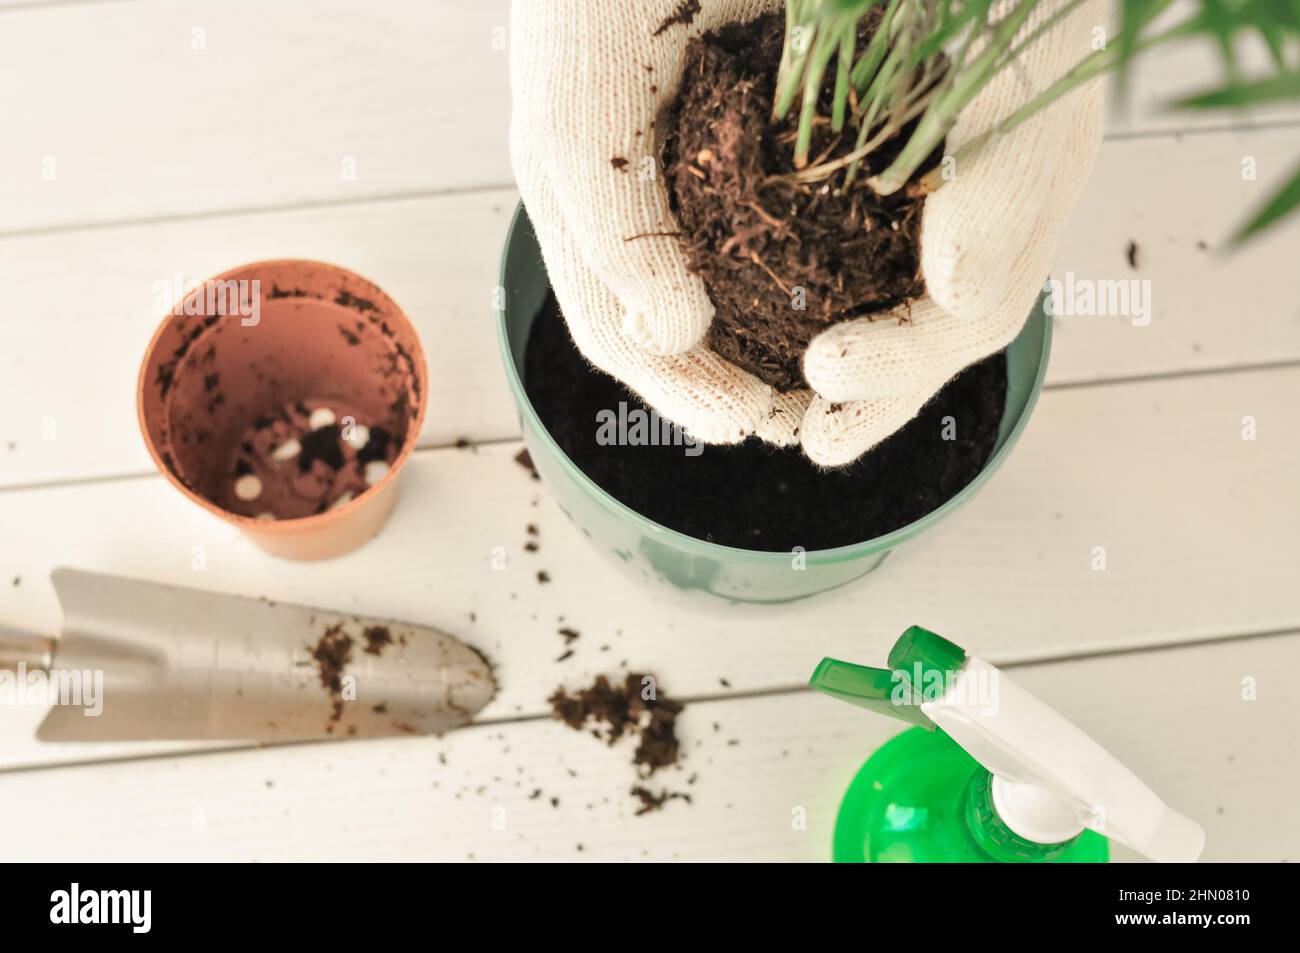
(919, 661)
(876, 689)
(933, 653)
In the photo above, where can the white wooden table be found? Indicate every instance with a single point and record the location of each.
(146, 138)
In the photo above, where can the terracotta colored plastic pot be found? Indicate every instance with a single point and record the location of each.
(244, 359)
(650, 550)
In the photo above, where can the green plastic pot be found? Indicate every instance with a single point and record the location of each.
(654, 552)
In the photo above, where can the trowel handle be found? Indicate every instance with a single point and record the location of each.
(35, 651)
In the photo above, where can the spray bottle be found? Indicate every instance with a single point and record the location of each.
(989, 774)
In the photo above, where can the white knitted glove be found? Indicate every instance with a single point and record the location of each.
(590, 79)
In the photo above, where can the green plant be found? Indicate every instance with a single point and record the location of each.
(921, 62)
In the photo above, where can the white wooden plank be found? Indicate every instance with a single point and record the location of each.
(9, 6)
(1179, 199)
(438, 257)
(141, 124)
(279, 165)
(74, 341)
(757, 763)
(1196, 523)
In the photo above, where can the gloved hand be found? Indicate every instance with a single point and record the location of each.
(589, 80)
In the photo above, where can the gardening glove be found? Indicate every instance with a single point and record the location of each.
(590, 80)
(988, 238)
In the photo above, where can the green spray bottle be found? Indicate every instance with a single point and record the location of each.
(989, 773)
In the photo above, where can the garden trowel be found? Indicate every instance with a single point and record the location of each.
(138, 660)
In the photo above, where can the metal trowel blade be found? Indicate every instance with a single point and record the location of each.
(180, 663)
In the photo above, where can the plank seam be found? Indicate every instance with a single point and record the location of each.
(1156, 376)
(424, 194)
(775, 691)
(515, 438)
(306, 205)
(55, 4)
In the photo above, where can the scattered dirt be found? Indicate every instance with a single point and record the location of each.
(659, 745)
(332, 654)
(378, 638)
(781, 260)
(754, 496)
(622, 710)
(655, 802)
(525, 460)
(684, 15)
(347, 299)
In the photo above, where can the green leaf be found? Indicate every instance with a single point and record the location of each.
(951, 26)
(854, 8)
(1220, 22)
(843, 62)
(864, 70)
(1240, 95)
(1284, 201)
(1135, 16)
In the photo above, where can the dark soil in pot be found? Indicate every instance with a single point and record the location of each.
(752, 495)
(782, 260)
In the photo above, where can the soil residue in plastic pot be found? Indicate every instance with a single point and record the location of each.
(282, 389)
(782, 261)
(752, 495)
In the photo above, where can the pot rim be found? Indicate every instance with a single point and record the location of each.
(315, 521)
(718, 551)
